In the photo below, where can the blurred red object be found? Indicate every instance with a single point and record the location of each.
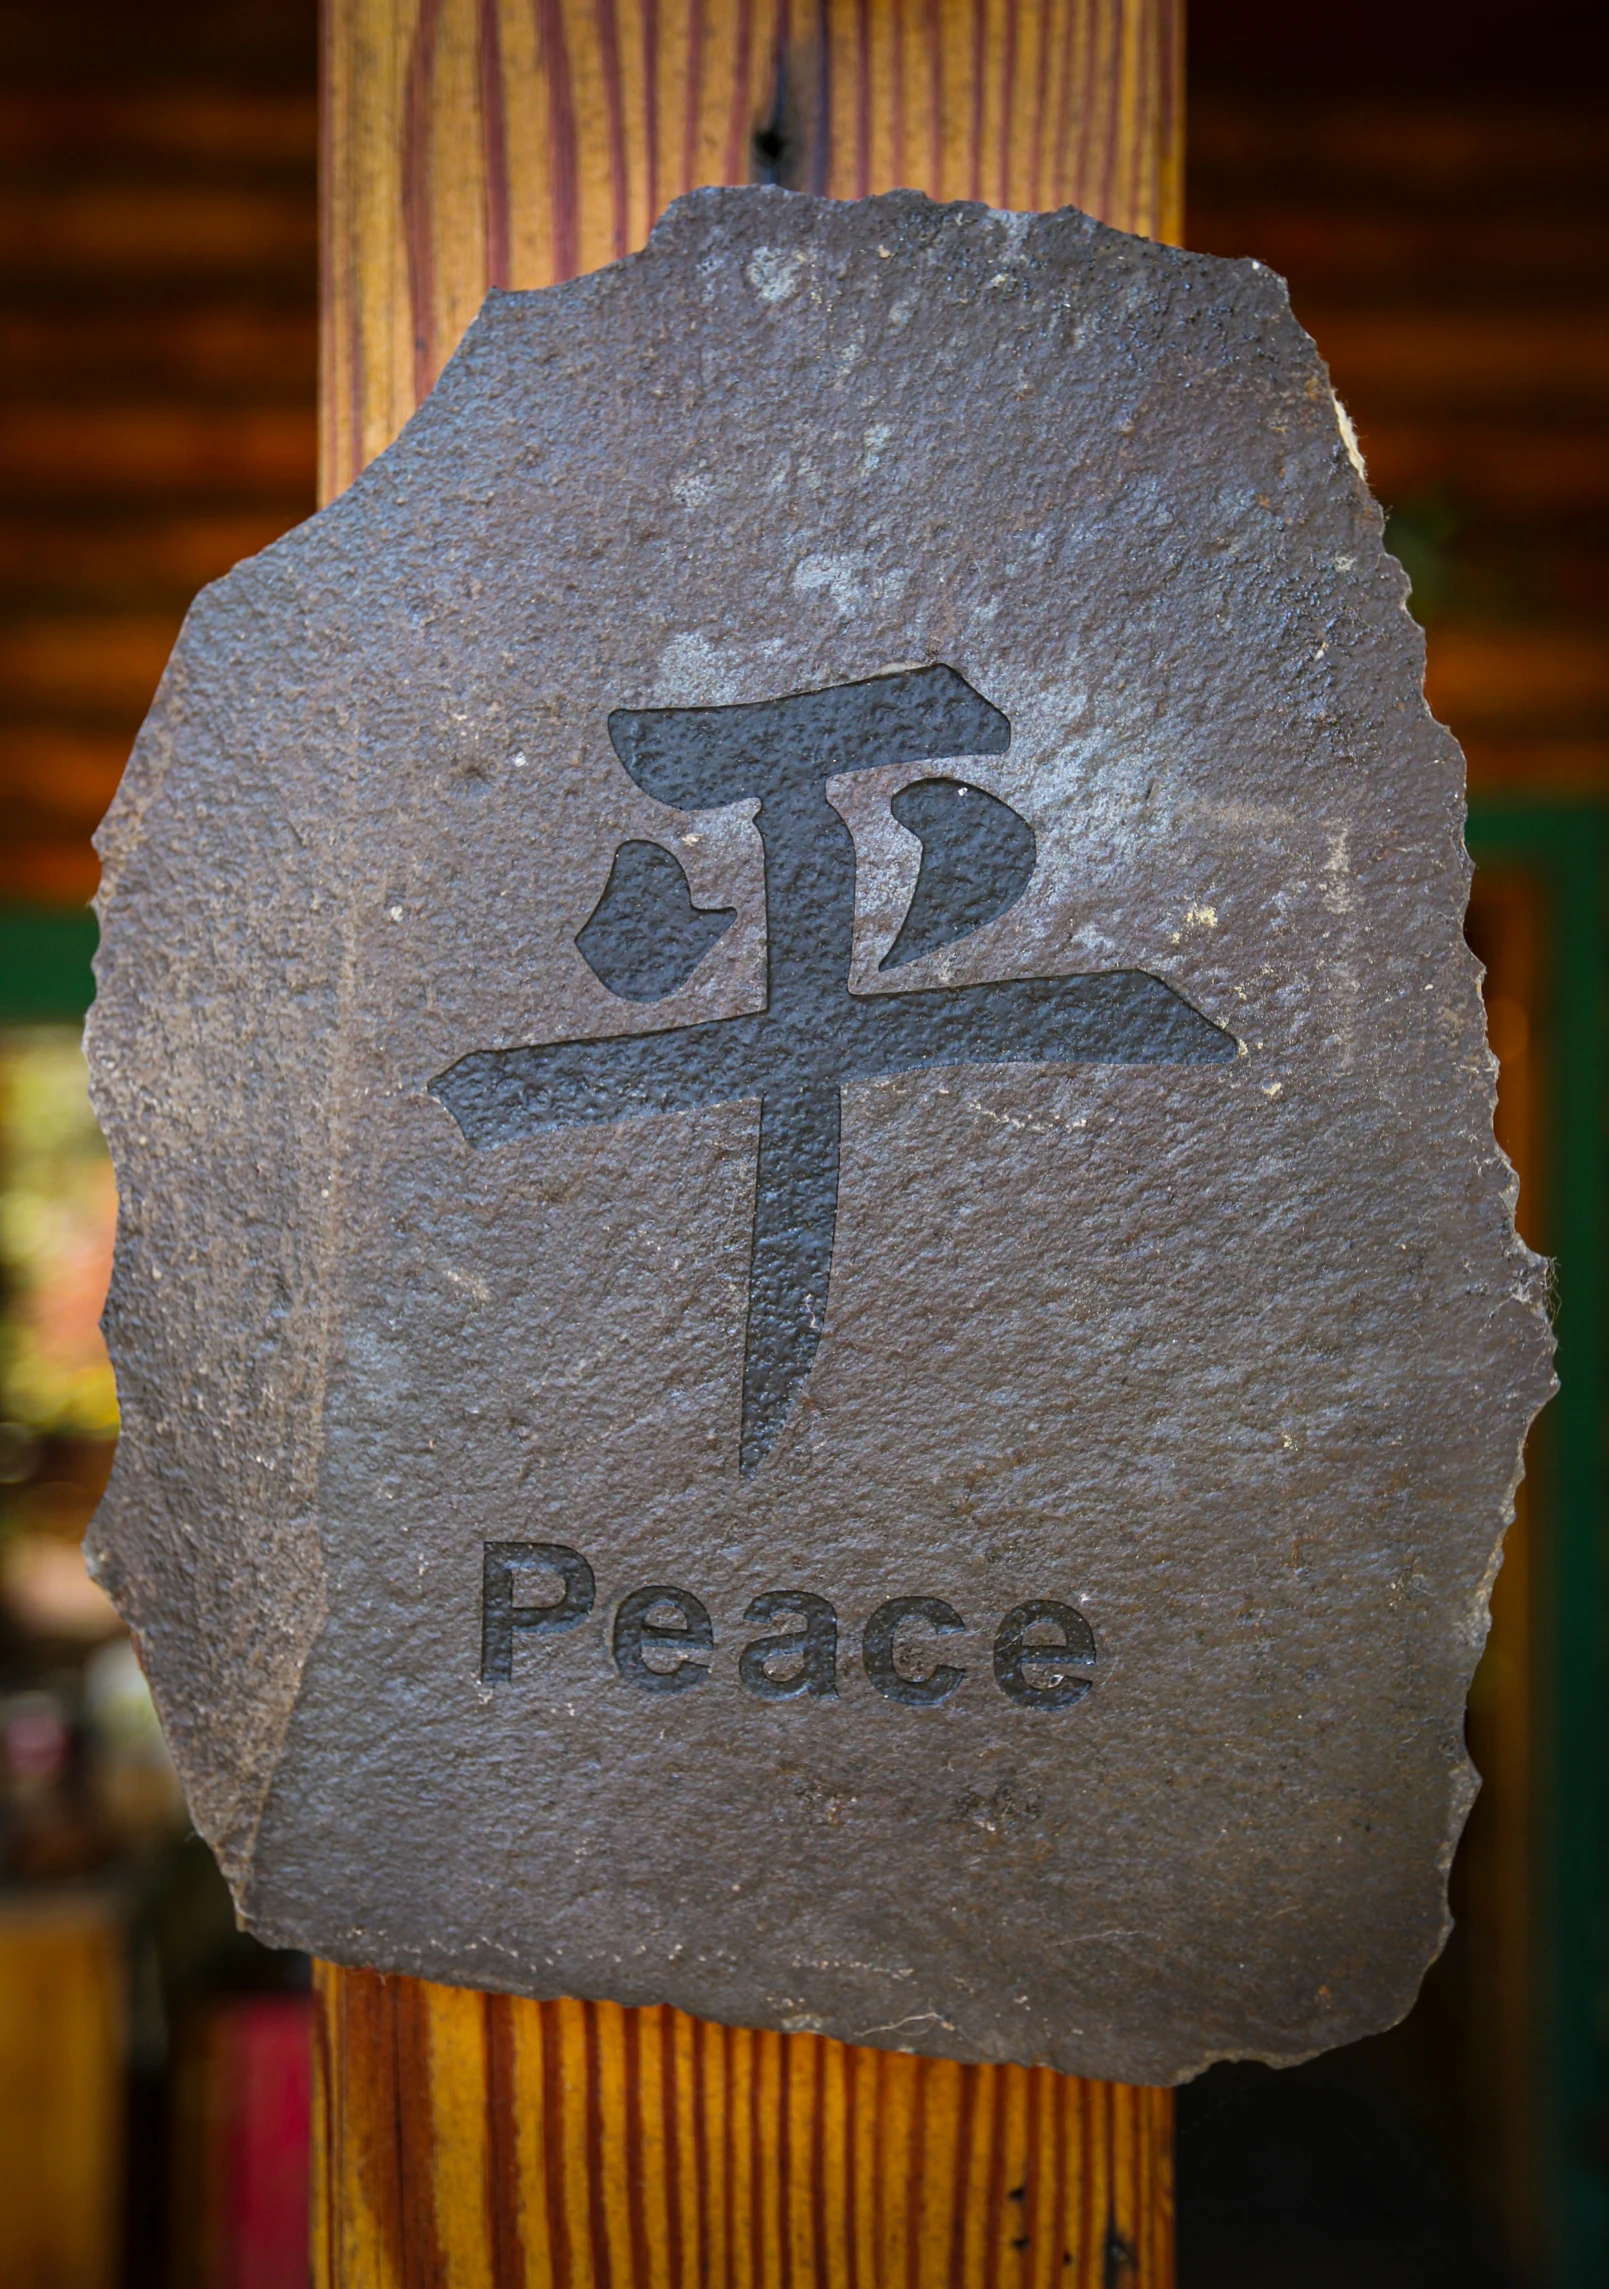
(244, 2143)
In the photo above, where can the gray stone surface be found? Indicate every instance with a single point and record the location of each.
(1181, 1292)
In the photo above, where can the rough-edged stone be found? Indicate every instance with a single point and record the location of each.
(1147, 1257)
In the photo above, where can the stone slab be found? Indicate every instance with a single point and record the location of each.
(815, 1312)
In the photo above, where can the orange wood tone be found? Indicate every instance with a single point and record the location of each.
(1450, 257)
(463, 2137)
(158, 341)
(61, 2093)
(1494, 1878)
(482, 2139)
(478, 143)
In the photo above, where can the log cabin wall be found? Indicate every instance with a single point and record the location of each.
(1451, 257)
(158, 345)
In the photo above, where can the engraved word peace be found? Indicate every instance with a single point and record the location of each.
(663, 1640)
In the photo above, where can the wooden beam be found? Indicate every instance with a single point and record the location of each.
(477, 143)
(469, 2138)
(62, 2006)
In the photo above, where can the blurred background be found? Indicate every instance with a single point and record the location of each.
(1431, 178)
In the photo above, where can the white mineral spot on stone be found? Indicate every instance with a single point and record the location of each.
(1013, 228)
(1349, 438)
(1338, 894)
(844, 579)
(774, 272)
(693, 672)
(471, 1282)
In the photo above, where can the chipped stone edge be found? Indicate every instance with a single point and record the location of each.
(229, 1809)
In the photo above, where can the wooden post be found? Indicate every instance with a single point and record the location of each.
(463, 2138)
(468, 2138)
(62, 2007)
(477, 143)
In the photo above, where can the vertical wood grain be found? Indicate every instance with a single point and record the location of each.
(61, 2078)
(479, 143)
(468, 2139)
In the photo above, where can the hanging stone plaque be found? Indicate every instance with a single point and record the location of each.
(815, 1311)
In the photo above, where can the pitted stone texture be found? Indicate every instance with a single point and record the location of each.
(1236, 1358)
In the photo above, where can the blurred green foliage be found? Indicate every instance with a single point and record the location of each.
(58, 1214)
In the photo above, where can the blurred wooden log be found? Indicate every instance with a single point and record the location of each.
(158, 337)
(473, 2138)
(61, 2093)
(476, 2138)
